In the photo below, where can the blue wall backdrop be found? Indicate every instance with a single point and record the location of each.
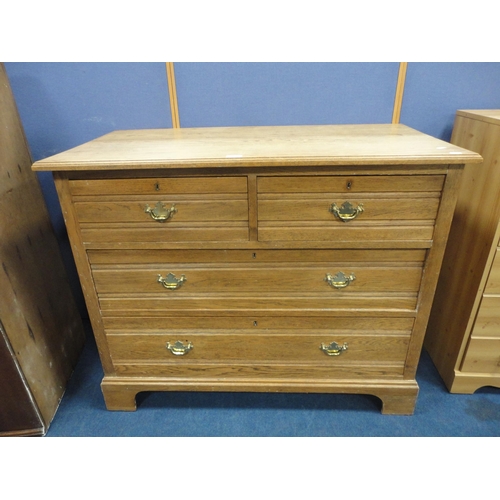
(63, 105)
(434, 91)
(234, 94)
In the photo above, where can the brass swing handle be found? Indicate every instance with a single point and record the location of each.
(340, 280)
(333, 349)
(170, 282)
(346, 212)
(178, 348)
(160, 213)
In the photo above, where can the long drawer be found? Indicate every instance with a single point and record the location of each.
(246, 346)
(259, 324)
(295, 281)
(280, 278)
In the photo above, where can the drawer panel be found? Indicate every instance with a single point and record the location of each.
(259, 324)
(185, 211)
(317, 208)
(482, 355)
(161, 257)
(322, 305)
(353, 232)
(348, 209)
(493, 283)
(278, 347)
(265, 372)
(351, 184)
(259, 278)
(155, 186)
(487, 323)
(117, 234)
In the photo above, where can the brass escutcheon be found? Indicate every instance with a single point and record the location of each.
(178, 348)
(340, 280)
(346, 212)
(170, 282)
(333, 349)
(160, 213)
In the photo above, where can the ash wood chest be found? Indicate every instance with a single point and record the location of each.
(463, 337)
(296, 259)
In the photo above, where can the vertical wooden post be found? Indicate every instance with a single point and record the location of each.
(173, 95)
(398, 101)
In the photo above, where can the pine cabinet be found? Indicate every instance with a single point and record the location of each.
(463, 338)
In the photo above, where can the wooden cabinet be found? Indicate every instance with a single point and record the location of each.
(463, 337)
(41, 332)
(294, 259)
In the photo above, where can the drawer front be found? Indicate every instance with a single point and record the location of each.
(258, 324)
(318, 208)
(352, 184)
(275, 281)
(483, 356)
(321, 305)
(118, 235)
(161, 209)
(157, 186)
(280, 278)
(185, 210)
(162, 257)
(271, 347)
(364, 208)
(487, 323)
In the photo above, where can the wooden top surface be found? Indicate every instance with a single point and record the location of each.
(310, 145)
(485, 115)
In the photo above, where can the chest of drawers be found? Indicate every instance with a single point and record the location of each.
(463, 337)
(292, 259)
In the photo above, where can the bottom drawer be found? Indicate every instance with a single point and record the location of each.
(482, 356)
(324, 348)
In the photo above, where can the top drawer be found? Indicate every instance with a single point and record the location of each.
(341, 208)
(158, 186)
(161, 209)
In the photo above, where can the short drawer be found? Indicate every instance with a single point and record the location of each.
(151, 210)
(178, 210)
(364, 208)
(482, 355)
(271, 347)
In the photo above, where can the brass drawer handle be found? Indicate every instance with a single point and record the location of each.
(160, 213)
(178, 348)
(333, 349)
(346, 212)
(170, 282)
(340, 280)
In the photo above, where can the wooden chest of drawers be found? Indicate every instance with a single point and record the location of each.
(463, 336)
(296, 259)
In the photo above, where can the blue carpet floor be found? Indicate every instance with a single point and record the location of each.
(438, 413)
